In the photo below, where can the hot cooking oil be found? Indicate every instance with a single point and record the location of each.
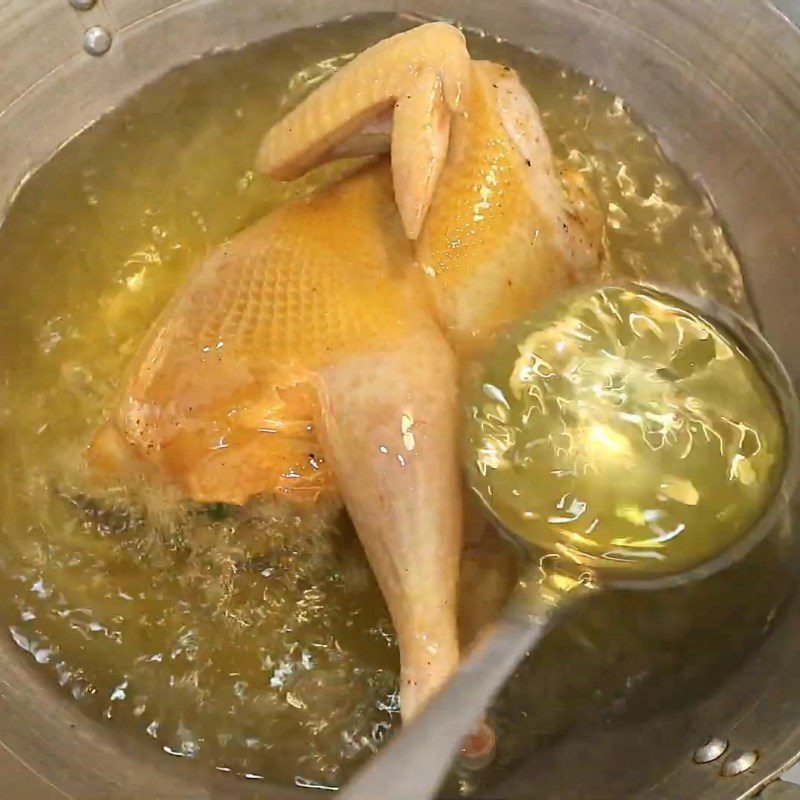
(256, 642)
(620, 429)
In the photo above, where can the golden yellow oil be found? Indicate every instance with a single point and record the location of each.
(621, 430)
(259, 645)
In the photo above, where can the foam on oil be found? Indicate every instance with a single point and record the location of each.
(257, 643)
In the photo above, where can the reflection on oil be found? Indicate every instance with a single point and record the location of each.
(621, 426)
(258, 642)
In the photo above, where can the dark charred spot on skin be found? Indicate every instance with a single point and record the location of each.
(528, 161)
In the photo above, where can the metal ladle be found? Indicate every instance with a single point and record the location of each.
(416, 761)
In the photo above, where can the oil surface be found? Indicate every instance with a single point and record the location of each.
(620, 429)
(261, 646)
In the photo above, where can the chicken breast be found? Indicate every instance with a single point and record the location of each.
(505, 229)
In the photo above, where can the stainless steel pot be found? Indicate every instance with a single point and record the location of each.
(717, 80)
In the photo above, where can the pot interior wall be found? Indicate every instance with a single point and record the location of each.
(721, 93)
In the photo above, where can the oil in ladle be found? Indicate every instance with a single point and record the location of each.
(625, 437)
(622, 431)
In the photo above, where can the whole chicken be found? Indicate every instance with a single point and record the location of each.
(314, 357)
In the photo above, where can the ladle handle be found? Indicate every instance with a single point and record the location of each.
(414, 764)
